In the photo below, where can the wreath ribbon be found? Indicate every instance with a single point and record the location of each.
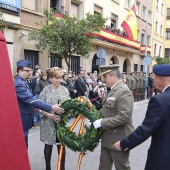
(83, 108)
(62, 147)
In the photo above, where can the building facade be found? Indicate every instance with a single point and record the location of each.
(158, 33)
(116, 48)
(167, 30)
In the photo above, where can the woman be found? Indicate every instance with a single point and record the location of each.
(43, 80)
(52, 93)
(96, 95)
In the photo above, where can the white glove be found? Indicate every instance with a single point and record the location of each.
(97, 123)
(88, 123)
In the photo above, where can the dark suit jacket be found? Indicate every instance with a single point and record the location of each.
(71, 89)
(26, 101)
(157, 125)
(80, 86)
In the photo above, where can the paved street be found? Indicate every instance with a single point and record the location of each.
(91, 159)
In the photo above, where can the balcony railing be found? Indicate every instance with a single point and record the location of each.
(111, 37)
(114, 38)
(142, 49)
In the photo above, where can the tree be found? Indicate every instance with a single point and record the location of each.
(160, 60)
(1, 23)
(66, 36)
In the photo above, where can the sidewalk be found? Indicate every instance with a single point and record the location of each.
(138, 103)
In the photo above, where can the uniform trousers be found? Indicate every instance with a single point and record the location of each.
(26, 137)
(108, 157)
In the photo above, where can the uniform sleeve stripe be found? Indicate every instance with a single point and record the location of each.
(34, 101)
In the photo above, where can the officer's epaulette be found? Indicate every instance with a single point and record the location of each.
(124, 86)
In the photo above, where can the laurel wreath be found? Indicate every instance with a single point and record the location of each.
(82, 142)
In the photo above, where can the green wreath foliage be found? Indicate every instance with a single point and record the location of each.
(87, 141)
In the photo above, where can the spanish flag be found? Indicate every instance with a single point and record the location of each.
(130, 24)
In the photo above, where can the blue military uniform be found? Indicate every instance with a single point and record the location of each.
(155, 124)
(27, 101)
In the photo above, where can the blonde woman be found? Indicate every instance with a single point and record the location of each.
(52, 93)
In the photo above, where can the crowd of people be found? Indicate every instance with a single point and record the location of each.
(114, 30)
(111, 92)
(141, 85)
(82, 84)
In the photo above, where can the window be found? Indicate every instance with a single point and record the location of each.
(161, 30)
(75, 63)
(32, 56)
(155, 49)
(141, 68)
(142, 38)
(157, 4)
(98, 9)
(56, 5)
(127, 4)
(144, 13)
(114, 19)
(167, 52)
(167, 37)
(148, 40)
(135, 67)
(33, 5)
(149, 17)
(162, 9)
(74, 10)
(55, 60)
(138, 9)
(168, 14)
(160, 51)
(156, 27)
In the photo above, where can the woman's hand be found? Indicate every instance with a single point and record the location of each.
(54, 117)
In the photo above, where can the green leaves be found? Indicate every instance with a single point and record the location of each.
(66, 36)
(160, 60)
(87, 141)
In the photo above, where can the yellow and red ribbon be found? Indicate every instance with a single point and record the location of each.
(81, 130)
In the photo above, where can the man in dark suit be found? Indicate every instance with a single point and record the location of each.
(81, 85)
(26, 100)
(116, 123)
(155, 124)
(71, 86)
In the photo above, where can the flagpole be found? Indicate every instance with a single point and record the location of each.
(146, 37)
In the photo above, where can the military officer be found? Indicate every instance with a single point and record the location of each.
(133, 83)
(144, 86)
(137, 86)
(155, 124)
(140, 85)
(129, 79)
(26, 100)
(116, 123)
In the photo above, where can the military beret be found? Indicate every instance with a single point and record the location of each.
(24, 63)
(104, 69)
(162, 70)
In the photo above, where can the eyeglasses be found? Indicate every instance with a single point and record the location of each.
(70, 77)
(27, 70)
